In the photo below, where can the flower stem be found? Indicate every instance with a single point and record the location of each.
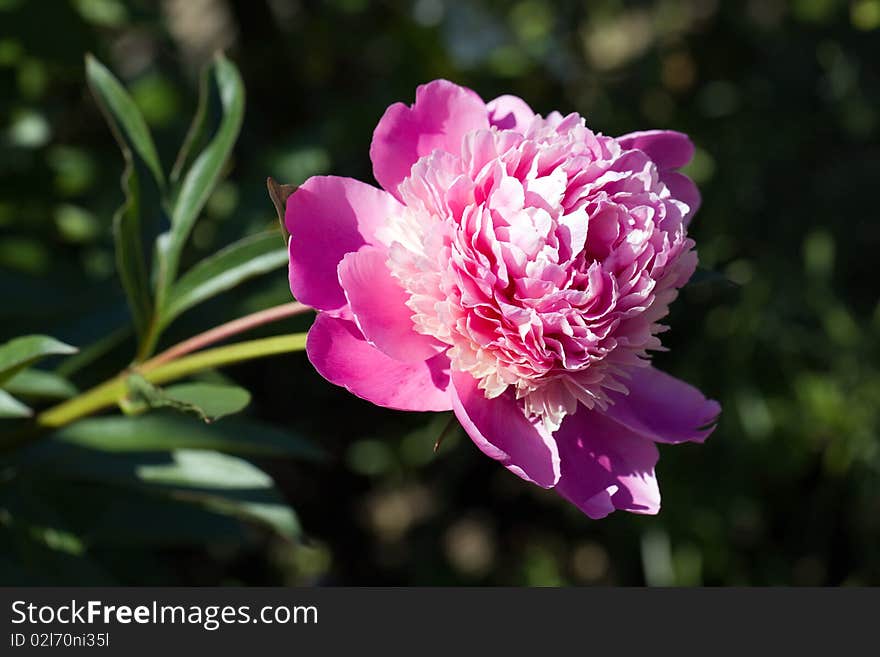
(110, 392)
(227, 330)
(173, 363)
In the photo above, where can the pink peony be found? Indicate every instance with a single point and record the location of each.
(514, 271)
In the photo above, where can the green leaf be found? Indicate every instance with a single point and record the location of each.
(199, 129)
(200, 179)
(41, 385)
(11, 407)
(131, 263)
(205, 469)
(209, 401)
(123, 115)
(22, 352)
(238, 262)
(218, 483)
(162, 431)
(277, 515)
(115, 515)
(137, 223)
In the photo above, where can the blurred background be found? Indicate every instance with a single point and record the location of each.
(783, 102)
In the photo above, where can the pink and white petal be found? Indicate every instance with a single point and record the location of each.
(442, 115)
(500, 429)
(669, 149)
(341, 355)
(682, 188)
(510, 113)
(327, 217)
(378, 305)
(664, 409)
(605, 465)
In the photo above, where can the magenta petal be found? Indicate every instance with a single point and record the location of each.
(500, 429)
(378, 304)
(328, 217)
(442, 114)
(669, 149)
(605, 466)
(683, 189)
(341, 355)
(509, 113)
(664, 409)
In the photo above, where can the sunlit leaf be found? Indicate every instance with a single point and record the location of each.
(205, 469)
(217, 482)
(123, 115)
(203, 175)
(40, 384)
(140, 220)
(10, 407)
(208, 401)
(19, 353)
(238, 262)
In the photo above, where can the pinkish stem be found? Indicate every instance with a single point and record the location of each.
(224, 331)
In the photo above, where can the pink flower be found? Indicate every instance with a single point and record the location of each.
(514, 271)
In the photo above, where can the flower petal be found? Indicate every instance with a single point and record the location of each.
(378, 304)
(341, 355)
(662, 408)
(510, 113)
(682, 188)
(442, 114)
(327, 217)
(605, 466)
(500, 429)
(669, 149)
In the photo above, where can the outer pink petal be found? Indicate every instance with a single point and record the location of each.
(662, 408)
(500, 429)
(510, 113)
(378, 304)
(341, 355)
(682, 188)
(328, 217)
(606, 467)
(442, 114)
(669, 149)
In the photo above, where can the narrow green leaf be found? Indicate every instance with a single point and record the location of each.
(19, 353)
(205, 469)
(138, 222)
(11, 407)
(40, 385)
(199, 129)
(229, 267)
(131, 262)
(277, 515)
(138, 516)
(201, 178)
(123, 115)
(163, 431)
(187, 479)
(208, 401)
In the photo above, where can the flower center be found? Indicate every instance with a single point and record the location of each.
(543, 259)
